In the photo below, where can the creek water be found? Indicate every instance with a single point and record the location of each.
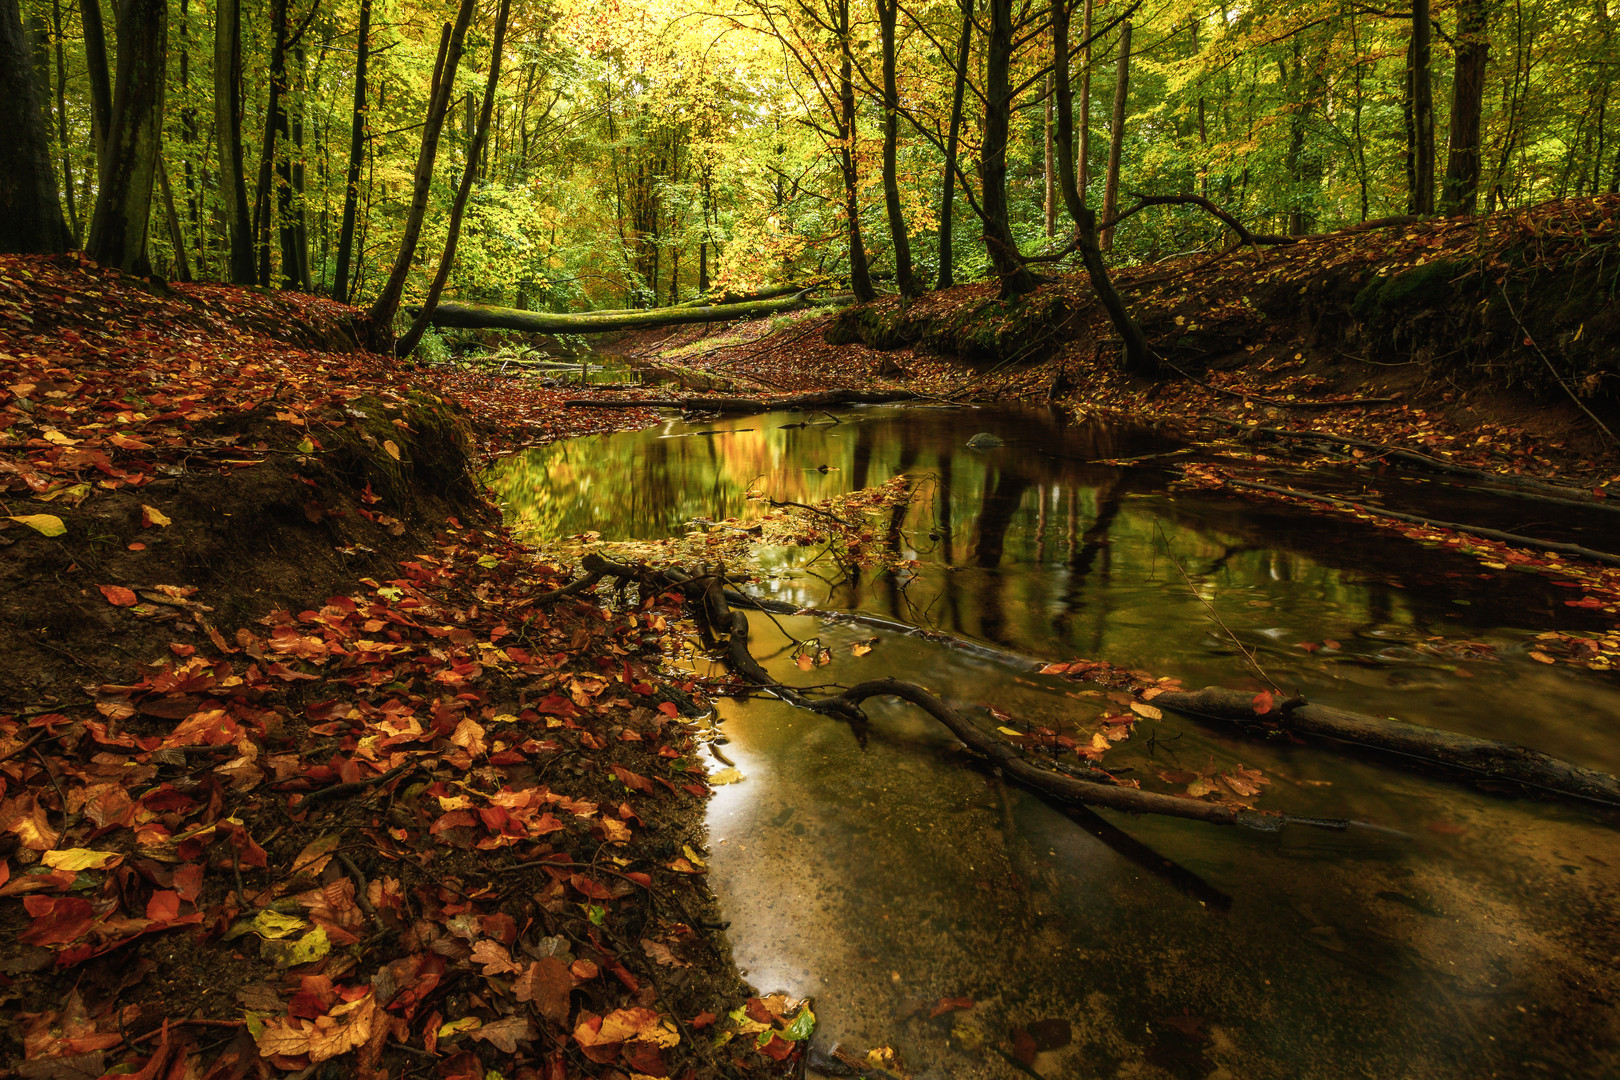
(1448, 932)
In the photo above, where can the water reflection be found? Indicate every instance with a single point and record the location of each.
(1454, 934)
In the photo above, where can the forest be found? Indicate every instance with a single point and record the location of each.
(578, 156)
(899, 539)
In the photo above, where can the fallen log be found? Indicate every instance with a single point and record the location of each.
(480, 317)
(822, 399)
(1515, 539)
(1488, 758)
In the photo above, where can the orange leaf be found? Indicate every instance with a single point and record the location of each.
(1263, 702)
(117, 595)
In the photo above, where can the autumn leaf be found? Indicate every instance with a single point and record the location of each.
(392, 448)
(1263, 702)
(152, 516)
(44, 524)
(548, 983)
(77, 859)
(505, 1034)
(1147, 712)
(117, 595)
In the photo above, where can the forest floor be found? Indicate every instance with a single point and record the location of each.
(298, 762)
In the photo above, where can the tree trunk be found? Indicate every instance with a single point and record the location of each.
(386, 305)
(480, 317)
(1047, 175)
(420, 324)
(1016, 279)
(98, 72)
(947, 197)
(1460, 192)
(228, 132)
(860, 278)
(124, 198)
(30, 213)
(358, 139)
(888, 11)
(62, 125)
(1116, 137)
(1138, 357)
(1083, 151)
(1422, 197)
(290, 191)
(275, 125)
(177, 235)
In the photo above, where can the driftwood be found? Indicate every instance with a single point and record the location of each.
(1535, 544)
(824, 399)
(1091, 787)
(1526, 487)
(480, 317)
(1479, 758)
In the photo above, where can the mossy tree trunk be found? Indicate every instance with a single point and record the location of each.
(129, 167)
(30, 214)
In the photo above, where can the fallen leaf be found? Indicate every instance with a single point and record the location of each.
(1146, 711)
(45, 524)
(1263, 702)
(117, 595)
(392, 448)
(77, 859)
(151, 515)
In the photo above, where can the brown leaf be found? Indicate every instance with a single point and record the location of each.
(504, 1035)
(548, 984)
(493, 958)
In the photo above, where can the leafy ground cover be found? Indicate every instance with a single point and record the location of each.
(299, 767)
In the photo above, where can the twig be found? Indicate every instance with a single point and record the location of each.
(1559, 379)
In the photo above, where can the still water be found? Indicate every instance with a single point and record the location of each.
(1450, 932)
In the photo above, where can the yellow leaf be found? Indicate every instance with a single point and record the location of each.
(273, 924)
(1147, 712)
(455, 1027)
(79, 858)
(392, 448)
(692, 855)
(1541, 657)
(725, 776)
(307, 949)
(1010, 731)
(48, 524)
(860, 648)
(151, 515)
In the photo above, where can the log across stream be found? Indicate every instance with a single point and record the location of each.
(887, 878)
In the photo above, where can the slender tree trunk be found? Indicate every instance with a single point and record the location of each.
(468, 175)
(177, 235)
(1460, 192)
(30, 213)
(1083, 150)
(290, 191)
(1422, 200)
(1016, 279)
(1047, 171)
(62, 125)
(228, 132)
(888, 11)
(358, 139)
(98, 72)
(1116, 137)
(1138, 357)
(386, 305)
(124, 199)
(947, 196)
(275, 124)
(860, 278)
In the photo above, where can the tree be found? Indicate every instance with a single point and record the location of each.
(228, 132)
(1421, 200)
(468, 174)
(887, 16)
(1460, 191)
(386, 306)
(1016, 278)
(1116, 136)
(30, 213)
(130, 160)
(358, 137)
(947, 198)
(860, 278)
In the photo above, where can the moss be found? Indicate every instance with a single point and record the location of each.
(987, 332)
(434, 449)
(1429, 285)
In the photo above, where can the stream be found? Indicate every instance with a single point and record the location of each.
(1448, 932)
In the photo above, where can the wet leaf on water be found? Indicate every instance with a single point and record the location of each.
(802, 1025)
(1146, 711)
(726, 776)
(805, 662)
(1541, 658)
(945, 1005)
(861, 648)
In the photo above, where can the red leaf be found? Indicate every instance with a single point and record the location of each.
(57, 920)
(164, 906)
(945, 1005)
(117, 595)
(591, 888)
(1263, 703)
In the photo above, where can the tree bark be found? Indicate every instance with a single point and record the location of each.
(62, 126)
(228, 133)
(1422, 196)
(1083, 150)
(1460, 191)
(888, 11)
(860, 277)
(480, 317)
(1116, 137)
(98, 72)
(275, 126)
(1015, 275)
(124, 199)
(1138, 356)
(947, 197)
(475, 146)
(1049, 180)
(384, 308)
(30, 213)
(358, 139)
(177, 235)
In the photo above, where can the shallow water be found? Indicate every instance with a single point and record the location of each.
(1452, 932)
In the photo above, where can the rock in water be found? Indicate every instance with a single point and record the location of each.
(985, 441)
